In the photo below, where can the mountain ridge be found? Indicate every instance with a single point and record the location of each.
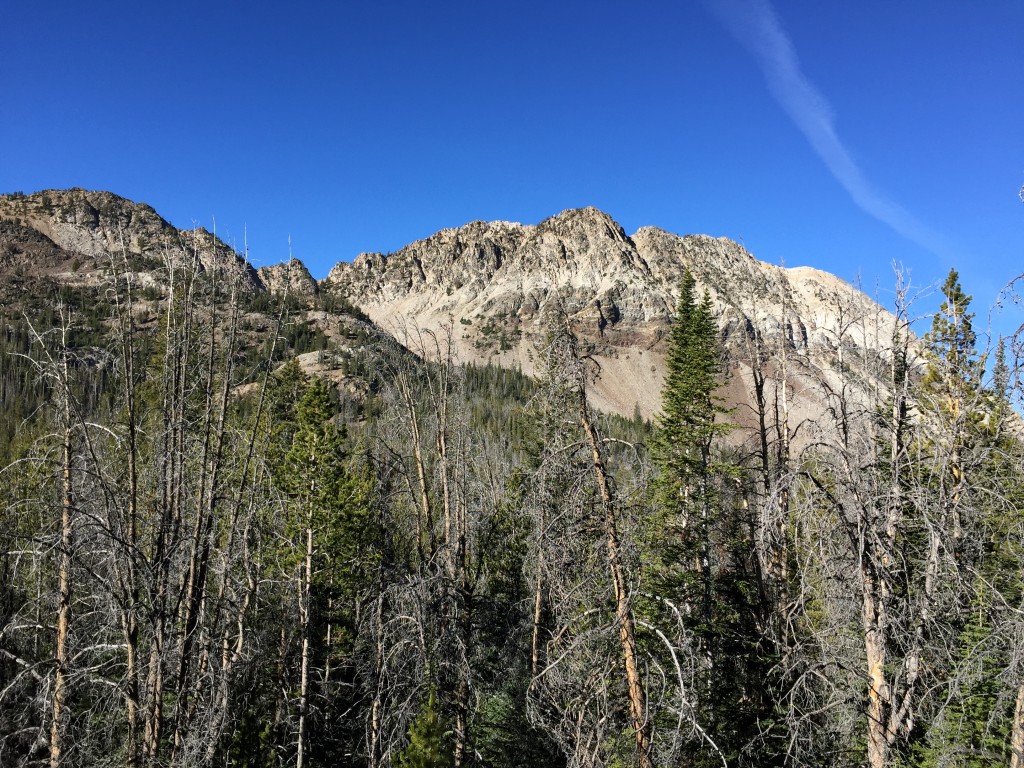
(95, 225)
(495, 287)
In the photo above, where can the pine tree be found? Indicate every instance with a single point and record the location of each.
(688, 422)
(329, 529)
(972, 730)
(428, 737)
(684, 437)
(972, 471)
(952, 399)
(952, 346)
(682, 447)
(705, 555)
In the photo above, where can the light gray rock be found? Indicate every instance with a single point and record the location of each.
(495, 284)
(291, 277)
(100, 225)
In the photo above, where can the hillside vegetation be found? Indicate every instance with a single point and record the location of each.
(242, 526)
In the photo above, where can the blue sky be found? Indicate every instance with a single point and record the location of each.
(837, 135)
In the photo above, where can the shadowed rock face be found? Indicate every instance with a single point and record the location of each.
(497, 284)
(21, 245)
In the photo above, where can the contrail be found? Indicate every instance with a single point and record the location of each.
(754, 24)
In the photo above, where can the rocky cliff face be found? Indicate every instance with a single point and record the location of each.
(496, 285)
(89, 227)
(292, 277)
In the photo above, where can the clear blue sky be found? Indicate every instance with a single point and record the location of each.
(838, 135)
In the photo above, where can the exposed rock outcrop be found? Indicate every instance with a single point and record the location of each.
(496, 285)
(93, 227)
(291, 277)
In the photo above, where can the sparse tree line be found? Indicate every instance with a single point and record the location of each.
(202, 564)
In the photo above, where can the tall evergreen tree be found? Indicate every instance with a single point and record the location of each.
(952, 396)
(705, 559)
(952, 345)
(329, 529)
(689, 423)
(687, 485)
(971, 469)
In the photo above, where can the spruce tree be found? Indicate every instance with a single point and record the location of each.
(682, 447)
(330, 534)
(683, 443)
(704, 561)
(952, 341)
(972, 461)
(428, 745)
(688, 422)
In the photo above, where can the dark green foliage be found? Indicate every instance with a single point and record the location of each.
(329, 501)
(22, 390)
(495, 397)
(500, 332)
(690, 475)
(703, 542)
(504, 736)
(336, 303)
(304, 337)
(691, 413)
(973, 729)
(952, 339)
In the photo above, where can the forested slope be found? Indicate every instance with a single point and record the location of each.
(250, 528)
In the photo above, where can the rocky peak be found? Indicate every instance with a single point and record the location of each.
(88, 223)
(91, 226)
(495, 285)
(291, 277)
(583, 226)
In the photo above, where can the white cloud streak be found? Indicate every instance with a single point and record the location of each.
(754, 24)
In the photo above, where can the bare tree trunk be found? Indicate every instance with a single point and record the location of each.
(374, 736)
(878, 705)
(623, 609)
(203, 527)
(172, 457)
(538, 602)
(60, 684)
(127, 570)
(424, 516)
(280, 680)
(1017, 732)
(154, 694)
(461, 719)
(888, 553)
(304, 618)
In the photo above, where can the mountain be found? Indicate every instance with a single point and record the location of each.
(73, 234)
(289, 277)
(496, 287)
(208, 557)
(496, 284)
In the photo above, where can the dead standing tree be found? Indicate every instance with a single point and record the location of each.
(873, 550)
(592, 655)
(54, 366)
(160, 472)
(423, 627)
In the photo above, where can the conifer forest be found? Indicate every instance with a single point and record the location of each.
(210, 556)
